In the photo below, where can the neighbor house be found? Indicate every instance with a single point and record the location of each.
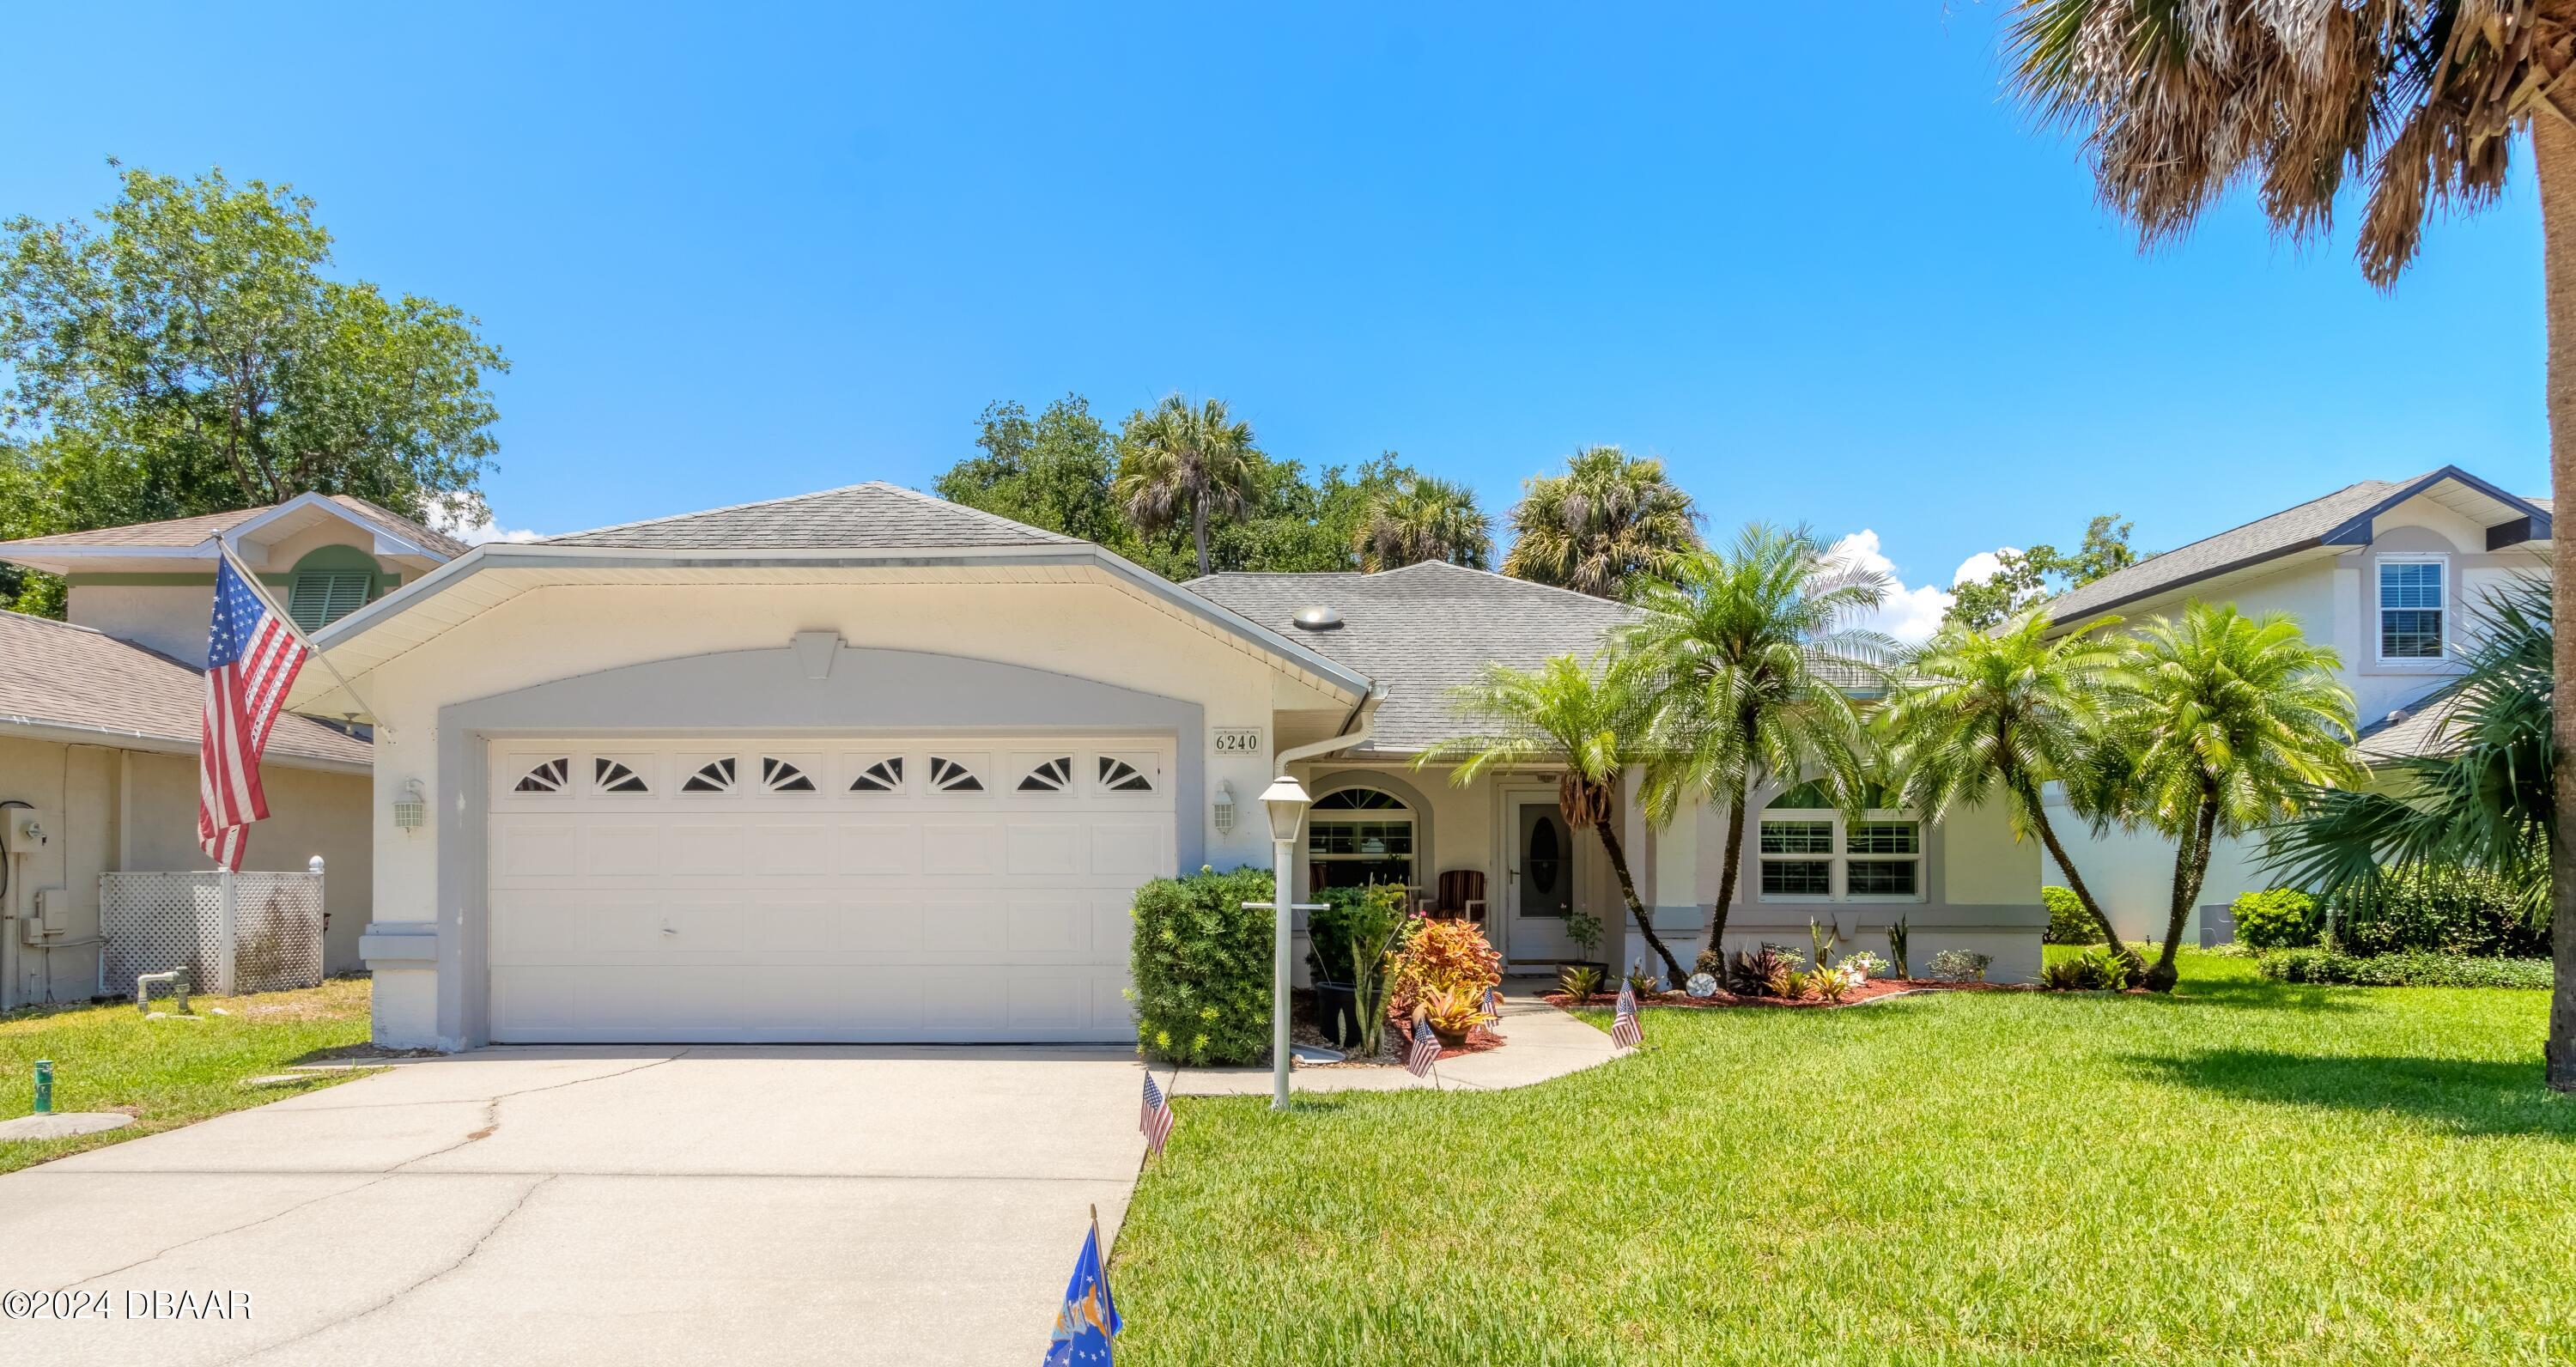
(866, 765)
(100, 718)
(2389, 573)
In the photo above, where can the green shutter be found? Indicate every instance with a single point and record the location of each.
(321, 597)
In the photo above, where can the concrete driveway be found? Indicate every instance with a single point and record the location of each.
(611, 1205)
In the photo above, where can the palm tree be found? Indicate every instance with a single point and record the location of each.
(2224, 723)
(1609, 519)
(2178, 102)
(2008, 711)
(1183, 460)
(1424, 519)
(2484, 803)
(1586, 717)
(1750, 657)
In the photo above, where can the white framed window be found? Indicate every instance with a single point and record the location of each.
(1810, 852)
(1358, 837)
(2413, 590)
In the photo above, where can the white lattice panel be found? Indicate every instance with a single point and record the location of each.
(156, 922)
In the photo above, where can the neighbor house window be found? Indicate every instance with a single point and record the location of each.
(1809, 852)
(2410, 609)
(320, 597)
(1357, 837)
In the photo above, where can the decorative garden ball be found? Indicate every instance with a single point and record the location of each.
(1701, 985)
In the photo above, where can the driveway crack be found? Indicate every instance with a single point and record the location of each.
(460, 1261)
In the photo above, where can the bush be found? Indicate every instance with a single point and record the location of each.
(2445, 911)
(2068, 922)
(2409, 968)
(2094, 970)
(1202, 967)
(2280, 918)
(1961, 965)
(1446, 955)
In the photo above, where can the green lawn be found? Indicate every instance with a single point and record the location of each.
(169, 1072)
(2245, 1172)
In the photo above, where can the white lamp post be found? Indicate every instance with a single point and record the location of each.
(1286, 801)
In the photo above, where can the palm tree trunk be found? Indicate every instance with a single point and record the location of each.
(2554, 145)
(2083, 894)
(1726, 876)
(1198, 531)
(1628, 889)
(2191, 869)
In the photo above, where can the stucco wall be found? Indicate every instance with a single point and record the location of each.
(169, 618)
(111, 810)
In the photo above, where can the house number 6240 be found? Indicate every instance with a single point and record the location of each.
(1241, 740)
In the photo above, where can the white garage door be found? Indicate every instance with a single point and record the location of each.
(724, 889)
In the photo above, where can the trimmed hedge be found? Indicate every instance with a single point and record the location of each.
(2278, 918)
(2412, 968)
(2067, 922)
(1202, 967)
(2445, 911)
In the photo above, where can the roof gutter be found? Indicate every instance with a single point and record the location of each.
(1355, 732)
(66, 733)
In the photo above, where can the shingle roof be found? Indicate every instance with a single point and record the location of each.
(182, 532)
(872, 516)
(68, 676)
(2260, 539)
(1421, 631)
(2418, 728)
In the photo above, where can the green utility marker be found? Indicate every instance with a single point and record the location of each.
(44, 1086)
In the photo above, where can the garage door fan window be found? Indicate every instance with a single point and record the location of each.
(715, 776)
(613, 777)
(884, 776)
(1118, 776)
(547, 777)
(1054, 776)
(949, 776)
(780, 776)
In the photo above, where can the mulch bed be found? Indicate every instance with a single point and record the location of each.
(1303, 1030)
(1876, 989)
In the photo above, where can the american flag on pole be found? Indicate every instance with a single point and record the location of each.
(252, 656)
(1624, 1030)
(1425, 1050)
(1155, 1118)
(1494, 1002)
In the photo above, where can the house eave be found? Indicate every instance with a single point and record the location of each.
(71, 733)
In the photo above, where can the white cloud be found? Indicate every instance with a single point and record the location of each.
(474, 525)
(1982, 566)
(1911, 613)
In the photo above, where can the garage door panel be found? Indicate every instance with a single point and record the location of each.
(877, 849)
(625, 907)
(1050, 849)
(950, 848)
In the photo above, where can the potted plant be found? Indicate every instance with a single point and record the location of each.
(1451, 1012)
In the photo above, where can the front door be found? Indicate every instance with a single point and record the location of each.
(1542, 884)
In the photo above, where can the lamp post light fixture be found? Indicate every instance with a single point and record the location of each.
(1286, 801)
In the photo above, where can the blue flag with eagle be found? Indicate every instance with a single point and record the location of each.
(1089, 1318)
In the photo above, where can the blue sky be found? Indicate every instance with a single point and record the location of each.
(1829, 274)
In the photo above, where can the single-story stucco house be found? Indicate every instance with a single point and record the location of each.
(100, 717)
(864, 765)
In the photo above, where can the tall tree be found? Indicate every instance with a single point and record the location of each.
(1424, 519)
(2006, 712)
(2026, 578)
(1053, 471)
(2225, 723)
(1608, 521)
(2417, 98)
(1749, 657)
(186, 354)
(1591, 718)
(1183, 463)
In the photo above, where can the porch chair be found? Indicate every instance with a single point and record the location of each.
(1460, 895)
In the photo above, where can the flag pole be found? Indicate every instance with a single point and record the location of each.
(251, 581)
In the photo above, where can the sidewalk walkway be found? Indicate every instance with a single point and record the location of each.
(1544, 1043)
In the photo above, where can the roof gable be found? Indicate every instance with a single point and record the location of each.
(2342, 518)
(182, 542)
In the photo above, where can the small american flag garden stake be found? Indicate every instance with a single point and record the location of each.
(1425, 1052)
(1155, 1118)
(1624, 1030)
